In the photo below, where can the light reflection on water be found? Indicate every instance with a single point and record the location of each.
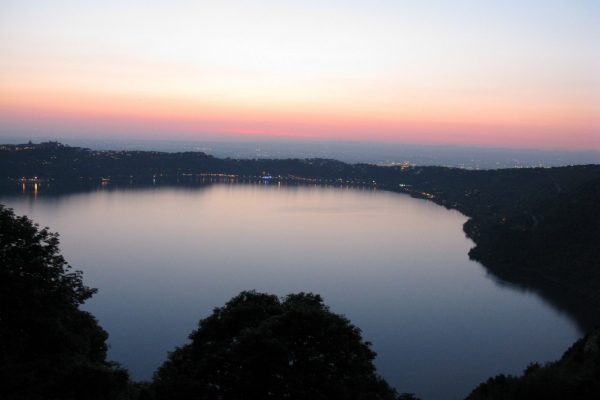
(396, 266)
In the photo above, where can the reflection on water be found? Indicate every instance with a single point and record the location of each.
(396, 266)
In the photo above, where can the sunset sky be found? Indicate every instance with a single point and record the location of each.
(492, 73)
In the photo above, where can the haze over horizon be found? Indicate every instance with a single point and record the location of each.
(463, 73)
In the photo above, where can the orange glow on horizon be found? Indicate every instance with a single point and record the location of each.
(504, 125)
(478, 75)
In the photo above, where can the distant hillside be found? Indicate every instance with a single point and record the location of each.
(538, 227)
(64, 164)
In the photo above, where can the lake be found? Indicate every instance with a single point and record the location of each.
(396, 266)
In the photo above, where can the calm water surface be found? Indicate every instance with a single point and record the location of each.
(397, 267)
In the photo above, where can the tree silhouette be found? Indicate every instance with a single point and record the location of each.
(258, 346)
(49, 348)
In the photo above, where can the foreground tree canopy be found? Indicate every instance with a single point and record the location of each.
(258, 347)
(49, 348)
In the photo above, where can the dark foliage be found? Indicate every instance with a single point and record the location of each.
(258, 347)
(576, 376)
(49, 348)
